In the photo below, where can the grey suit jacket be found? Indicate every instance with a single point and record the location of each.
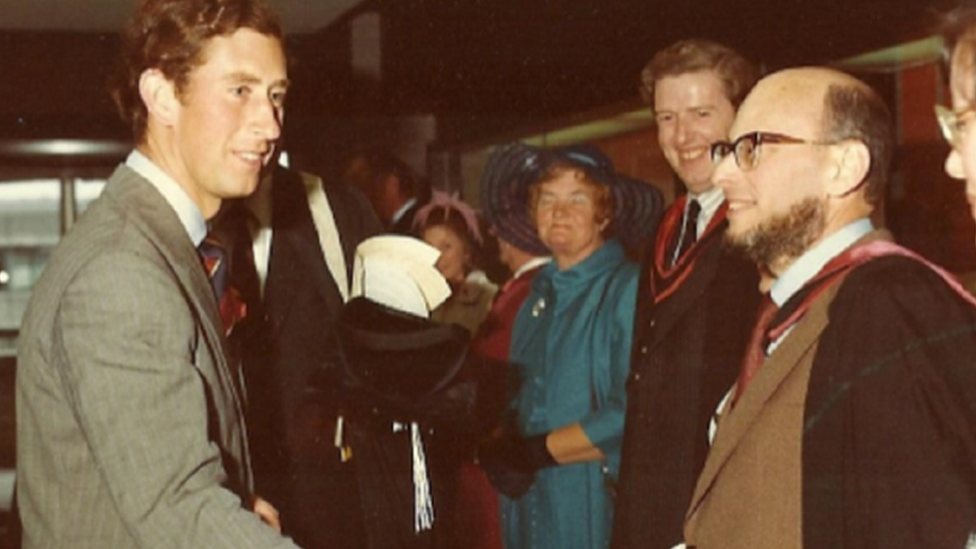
(129, 421)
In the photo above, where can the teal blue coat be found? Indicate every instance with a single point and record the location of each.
(571, 347)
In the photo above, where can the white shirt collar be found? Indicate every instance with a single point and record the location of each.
(810, 263)
(186, 209)
(530, 264)
(709, 201)
(402, 210)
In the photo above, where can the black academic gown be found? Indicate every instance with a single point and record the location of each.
(889, 443)
(404, 369)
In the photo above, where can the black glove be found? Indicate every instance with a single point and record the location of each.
(510, 462)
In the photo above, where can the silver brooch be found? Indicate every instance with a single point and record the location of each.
(539, 307)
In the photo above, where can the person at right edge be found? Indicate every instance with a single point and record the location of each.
(558, 457)
(956, 121)
(853, 421)
(696, 299)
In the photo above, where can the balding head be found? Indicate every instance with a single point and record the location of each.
(829, 104)
(793, 95)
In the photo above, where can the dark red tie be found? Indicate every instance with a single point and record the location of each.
(214, 257)
(756, 350)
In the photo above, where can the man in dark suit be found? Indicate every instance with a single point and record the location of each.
(695, 303)
(302, 236)
(129, 415)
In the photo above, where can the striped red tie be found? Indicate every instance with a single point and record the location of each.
(232, 307)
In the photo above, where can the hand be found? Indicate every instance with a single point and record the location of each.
(509, 482)
(515, 452)
(510, 462)
(268, 514)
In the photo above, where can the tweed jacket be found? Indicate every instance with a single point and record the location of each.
(858, 430)
(749, 493)
(129, 417)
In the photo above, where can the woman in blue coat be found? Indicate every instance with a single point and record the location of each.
(558, 459)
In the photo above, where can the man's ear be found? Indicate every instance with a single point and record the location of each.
(851, 164)
(158, 93)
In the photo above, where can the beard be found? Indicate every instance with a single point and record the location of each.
(783, 238)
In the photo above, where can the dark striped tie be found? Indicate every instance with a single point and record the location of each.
(214, 257)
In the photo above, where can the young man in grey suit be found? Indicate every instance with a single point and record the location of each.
(129, 415)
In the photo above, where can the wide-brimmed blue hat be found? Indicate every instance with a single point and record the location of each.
(502, 205)
(513, 167)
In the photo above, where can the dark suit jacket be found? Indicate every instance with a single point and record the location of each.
(129, 418)
(687, 351)
(290, 359)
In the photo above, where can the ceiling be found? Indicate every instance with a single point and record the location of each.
(480, 67)
(298, 16)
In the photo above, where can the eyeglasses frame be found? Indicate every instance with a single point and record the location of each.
(949, 122)
(721, 149)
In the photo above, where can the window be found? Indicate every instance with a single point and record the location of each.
(87, 190)
(33, 217)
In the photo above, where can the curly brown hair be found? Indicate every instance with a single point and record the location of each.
(170, 35)
(736, 73)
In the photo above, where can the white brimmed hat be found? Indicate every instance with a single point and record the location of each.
(398, 272)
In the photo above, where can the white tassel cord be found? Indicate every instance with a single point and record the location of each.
(423, 504)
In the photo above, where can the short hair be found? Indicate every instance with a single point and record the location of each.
(959, 25)
(694, 55)
(958, 29)
(367, 169)
(856, 111)
(603, 204)
(170, 35)
(454, 221)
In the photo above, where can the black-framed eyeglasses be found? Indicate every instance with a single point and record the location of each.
(746, 147)
(952, 123)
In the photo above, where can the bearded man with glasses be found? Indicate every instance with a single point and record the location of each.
(852, 422)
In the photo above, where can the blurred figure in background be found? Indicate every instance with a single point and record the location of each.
(557, 456)
(391, 186)
(519, 247)
(452, 227)
(521, 251)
